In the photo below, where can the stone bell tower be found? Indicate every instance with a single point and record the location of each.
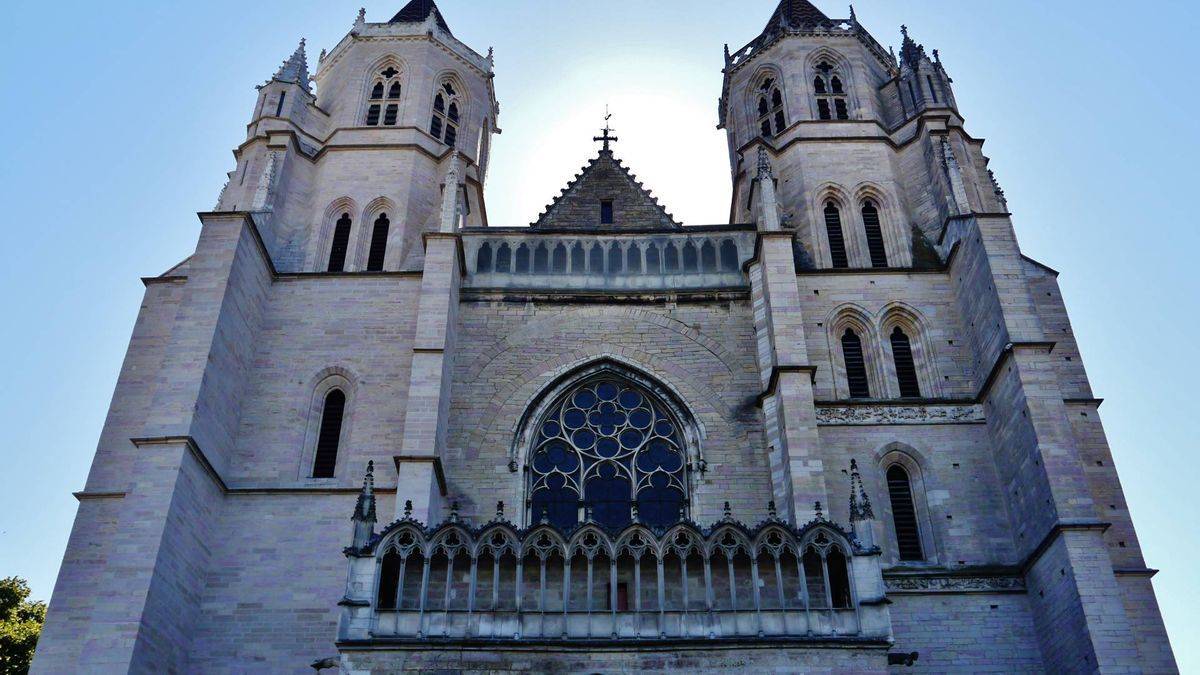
(392, 102)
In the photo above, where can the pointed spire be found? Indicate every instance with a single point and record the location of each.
(295, 68)
(364, 509)
(860, 503)
(911, 53)
(796, 14)
(418, 11)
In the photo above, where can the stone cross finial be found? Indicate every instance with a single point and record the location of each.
(607, 136)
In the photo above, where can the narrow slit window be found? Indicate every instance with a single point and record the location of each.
(870, 216)
(606, 212)
(329, 435)
(379, 236)
(906, 369)
(341, 242)
(279, 106)
(856, 365)
(932, 91)
(904, 514)
(837, 240)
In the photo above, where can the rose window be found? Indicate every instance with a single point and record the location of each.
(609, 447)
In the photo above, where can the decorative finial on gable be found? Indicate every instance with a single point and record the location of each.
(728, 512)
(407, 509)
(771, 512)
(607, 136)
(817, 506)
(853, 17)
(454, 512)
(500, 510)
(321, 56)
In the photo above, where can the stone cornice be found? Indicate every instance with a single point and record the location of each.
(633, 296)
(898, 412)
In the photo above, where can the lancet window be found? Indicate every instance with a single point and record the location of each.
(606, 450)
(445, 121)
(830, 91)
(385, 98)
(771, 117)
(341, 243)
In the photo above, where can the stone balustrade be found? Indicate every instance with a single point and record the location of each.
(727, 581)
(691, 258)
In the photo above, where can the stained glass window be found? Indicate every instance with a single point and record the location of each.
(606, 446)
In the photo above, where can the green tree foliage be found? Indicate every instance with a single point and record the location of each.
(20, 625)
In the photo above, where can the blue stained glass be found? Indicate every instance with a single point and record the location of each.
(622, 439)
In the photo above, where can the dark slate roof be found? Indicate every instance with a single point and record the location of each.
(604, 178)
(796, 14)
(417, 11)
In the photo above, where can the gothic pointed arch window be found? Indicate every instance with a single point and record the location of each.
(340, 244)
(383, 104)
(856, 365)
(837, 238)
(874, 232)
(772, 118)
(904, 514)
(830, 90)
(447, 110)
(378, 249)
(329, 434)
(906, 367)
(603, 448)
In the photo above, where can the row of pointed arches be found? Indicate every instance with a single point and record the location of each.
(351, 239)
(693, 255)
(887, 357)
(540, 570)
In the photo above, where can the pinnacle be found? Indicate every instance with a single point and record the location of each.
(295, 68)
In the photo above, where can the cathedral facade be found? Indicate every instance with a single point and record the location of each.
(363, 428)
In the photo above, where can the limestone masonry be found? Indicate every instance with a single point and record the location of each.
(361, 428)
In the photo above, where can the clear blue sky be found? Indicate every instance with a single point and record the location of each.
(120, 118)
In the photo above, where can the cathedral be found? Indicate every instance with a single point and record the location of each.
(362, 428)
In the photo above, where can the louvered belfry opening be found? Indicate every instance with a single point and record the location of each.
(856, 366)
(341, 242)
(379, 235)
(837, 241)
(904, 514)
(906, 369)
(330, 434)
(870, 215)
